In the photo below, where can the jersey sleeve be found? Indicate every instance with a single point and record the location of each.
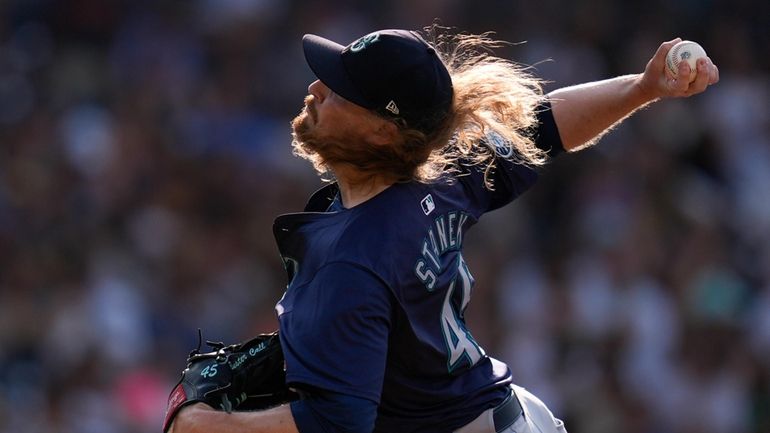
(547, 137)
(330, 412)
(510, 178)
(338, 340)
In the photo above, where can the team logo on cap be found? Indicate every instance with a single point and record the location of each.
(364, 42)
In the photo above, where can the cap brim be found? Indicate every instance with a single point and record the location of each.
(325, 59)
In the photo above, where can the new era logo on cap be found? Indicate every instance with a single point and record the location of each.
(392, 107)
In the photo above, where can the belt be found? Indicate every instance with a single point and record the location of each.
(507, 412)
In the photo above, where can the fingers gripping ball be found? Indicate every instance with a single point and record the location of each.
(684, 51)
(229, 377)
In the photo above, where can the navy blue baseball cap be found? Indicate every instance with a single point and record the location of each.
(393, 72)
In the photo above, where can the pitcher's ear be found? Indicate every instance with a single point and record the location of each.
(385, 133)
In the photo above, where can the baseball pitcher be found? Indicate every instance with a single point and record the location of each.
(420, 139)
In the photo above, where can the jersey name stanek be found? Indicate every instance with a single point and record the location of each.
(445, 234)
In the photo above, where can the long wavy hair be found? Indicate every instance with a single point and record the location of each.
(495, 103)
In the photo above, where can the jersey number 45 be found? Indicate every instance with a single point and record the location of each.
(462, 349)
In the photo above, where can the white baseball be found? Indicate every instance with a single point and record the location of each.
(685, 51)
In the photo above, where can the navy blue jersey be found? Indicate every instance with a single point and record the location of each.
(376, 298)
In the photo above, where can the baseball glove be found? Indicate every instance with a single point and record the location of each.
(246, 375)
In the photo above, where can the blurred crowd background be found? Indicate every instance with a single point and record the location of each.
(144, 152)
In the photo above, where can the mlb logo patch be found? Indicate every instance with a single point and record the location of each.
(427, 204)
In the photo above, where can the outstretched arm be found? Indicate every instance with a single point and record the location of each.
(584, 112)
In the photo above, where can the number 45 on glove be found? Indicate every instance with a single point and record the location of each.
(249, 374)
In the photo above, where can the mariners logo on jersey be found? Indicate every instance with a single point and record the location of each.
(499, 144)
